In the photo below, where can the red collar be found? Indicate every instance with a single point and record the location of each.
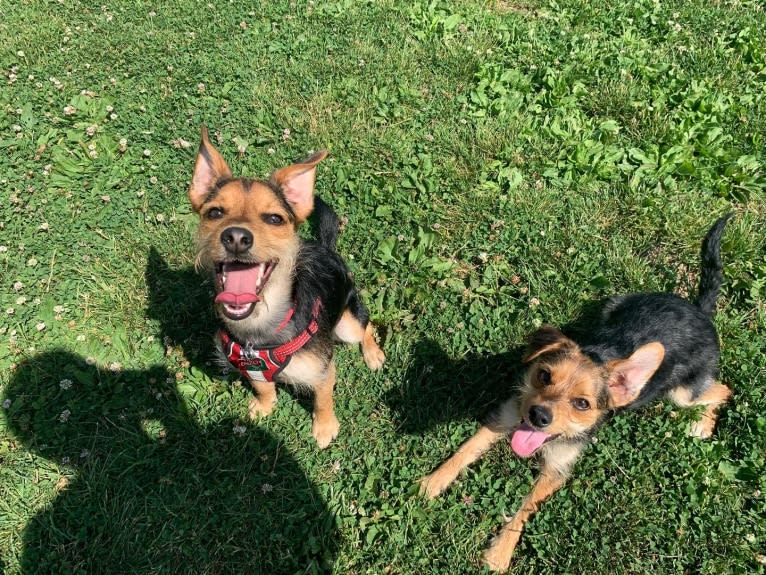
(266, 363)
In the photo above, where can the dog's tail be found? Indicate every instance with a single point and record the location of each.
(327, 224)
(711, 275)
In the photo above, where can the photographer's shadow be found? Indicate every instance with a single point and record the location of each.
(151, 490)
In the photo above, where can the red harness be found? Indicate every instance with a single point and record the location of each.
(266, 363)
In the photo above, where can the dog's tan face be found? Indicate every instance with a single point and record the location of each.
(247, 234)
(565, 394)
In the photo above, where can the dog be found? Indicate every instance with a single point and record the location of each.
(644, 346)
(283, 301)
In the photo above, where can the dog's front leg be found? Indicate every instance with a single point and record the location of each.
(432, 485)
(498, 556)
(498, 426)
(325, 427)
(265, 397)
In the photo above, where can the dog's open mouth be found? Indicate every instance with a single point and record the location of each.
(526, 439)
(240, 285)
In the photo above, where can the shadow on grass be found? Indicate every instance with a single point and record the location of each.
(182, 302)
(151, 491)
(437, 389)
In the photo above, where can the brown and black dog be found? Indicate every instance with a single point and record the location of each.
(283, 301)
(644, 346)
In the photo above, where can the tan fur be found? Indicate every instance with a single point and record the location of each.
(498, 556)
(713, 398)
(349, 330)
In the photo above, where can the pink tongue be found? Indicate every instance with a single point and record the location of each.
(526, 440)
(241, 284)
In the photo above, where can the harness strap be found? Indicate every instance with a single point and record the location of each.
(266, 363)
(285, 350)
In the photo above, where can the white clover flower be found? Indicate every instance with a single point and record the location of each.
(40, 326)
(7, 404)
(239, 429)
(64, 416)
(69, 110)
(65, 384)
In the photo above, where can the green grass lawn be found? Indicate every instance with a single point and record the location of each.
(496, 164)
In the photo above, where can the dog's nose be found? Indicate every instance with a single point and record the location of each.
(236, 240)
(540, 416)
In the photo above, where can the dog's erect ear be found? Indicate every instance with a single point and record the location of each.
(545, 340)
(627, 377)
(209, 168)
(297, 184)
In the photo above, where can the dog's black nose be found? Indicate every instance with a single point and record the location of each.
(540, 416)
(236, 240)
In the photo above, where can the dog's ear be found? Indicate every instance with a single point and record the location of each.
(627, 377)
(545, 340)
(297, 184)
(209, 168)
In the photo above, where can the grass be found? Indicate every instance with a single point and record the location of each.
(498, 165)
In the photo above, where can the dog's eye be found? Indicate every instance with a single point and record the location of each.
(581, 404)
(544, 377)
(273, 219)
(214, 213)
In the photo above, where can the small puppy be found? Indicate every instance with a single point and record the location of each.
(645, 346)
(282, 300)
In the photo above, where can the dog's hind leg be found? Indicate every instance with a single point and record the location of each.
(355, 327)
(712, 398)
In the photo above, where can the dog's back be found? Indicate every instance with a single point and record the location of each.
(684, 329)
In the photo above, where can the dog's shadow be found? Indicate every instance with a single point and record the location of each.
(437, 389)
(181, 301)
(152, 490)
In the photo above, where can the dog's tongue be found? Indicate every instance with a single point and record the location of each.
(240, 284)
(526, 440)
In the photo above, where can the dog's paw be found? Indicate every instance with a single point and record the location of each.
(374, 358)
(702, 429)
(258, 408)
(325, 431)
(497, 559)
(434, 485)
